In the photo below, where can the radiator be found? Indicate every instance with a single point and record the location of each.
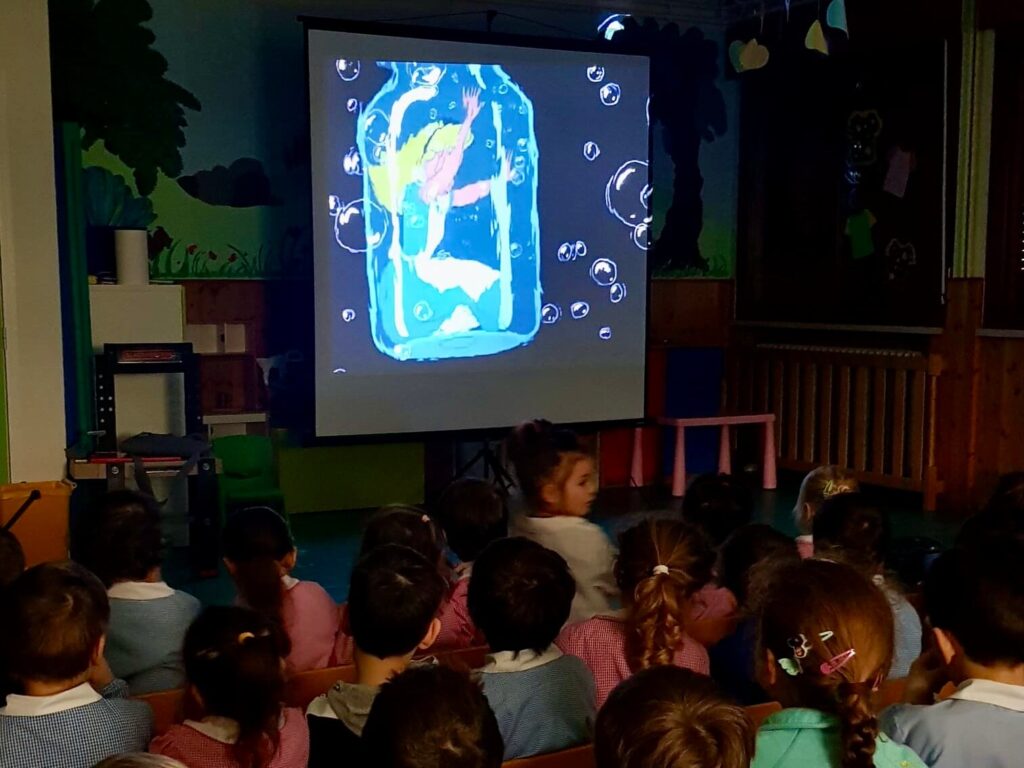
(869, 410)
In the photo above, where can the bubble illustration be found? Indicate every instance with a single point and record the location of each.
(579, 250)
(579, 310)
(352, 105)
(565, 252)
(517, 176)
(610, 94)
(348, 315)
(376, 125)
(591, 151)
(433, 114)
(550, 313)
(425, 75)
(350, 226)
(645, 196)
(422, 311)
(503, 89)
(333, 204)
(604, 272)
(617, 292)
(522, 144)
(515, 250)
(605, 333)
(489, 143)
(348, 69)
(451, 105)
(353, 163)
(640, 237)
(624, 194)
(595, 74)
(519, 161)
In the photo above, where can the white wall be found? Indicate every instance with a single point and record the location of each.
(28, 246)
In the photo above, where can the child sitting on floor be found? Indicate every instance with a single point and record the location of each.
(974, 599)
(120, 542)
(393, 601)
(819, 485)
(661, 566)
(235, 669)
(432, 717)
(260, 554)
(558, 480)
(850, 530)
(520, 597)
(825, 644)
(668, 716)
(473, 514)
(70, 711)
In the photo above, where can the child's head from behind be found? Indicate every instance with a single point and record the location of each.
(406, 526)
(393, 601)
(718, 505)
(670, 717)
(1002, 517)
(556, 473)
(974, 600)
(235, 669)
(826, 642)
(12, 558)
(850, 529)
(139, 760)
(259, 551)
(432, 717)
(58, 614)
(473, 514)
(120, 539)
(520, 595)
(820, 484)
(661, 566)
(746, 558)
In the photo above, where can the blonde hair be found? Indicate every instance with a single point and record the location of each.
(139, 760)
(820, 484)
(661, 565)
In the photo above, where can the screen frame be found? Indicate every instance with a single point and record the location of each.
(424, 32)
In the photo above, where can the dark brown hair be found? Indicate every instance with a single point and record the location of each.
(850, 529)
(670, 717)
(747, 554)
(659, 603)
(827, 609)
(120, 539)
(233, 657)
(432, 717)
(56, 615)
(406, 526)
(473, 514)
(255, 541)
(542, 453)
(718, 505)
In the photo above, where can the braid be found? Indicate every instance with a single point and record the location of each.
(859, 726)
(655, 627)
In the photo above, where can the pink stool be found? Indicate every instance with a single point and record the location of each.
(724, 447)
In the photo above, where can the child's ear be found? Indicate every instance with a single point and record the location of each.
(808, 513)
(288, 561)
(550, 494)
(431, 637)
(949, 647)
(97, 652)
(767, 671)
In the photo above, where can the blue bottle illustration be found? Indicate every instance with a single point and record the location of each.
(452, 230)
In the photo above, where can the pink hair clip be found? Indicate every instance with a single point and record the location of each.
(837, 662)
(425, 519)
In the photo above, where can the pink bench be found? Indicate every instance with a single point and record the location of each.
(767, 420)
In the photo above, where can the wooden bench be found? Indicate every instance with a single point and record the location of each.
(767, 420)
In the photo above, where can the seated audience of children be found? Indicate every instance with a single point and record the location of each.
(668, 717)
(473, 514)
(260, 554)
(558, 480)
(393, 601)
(69, 711)
(234, 663)
(120, 542)
(819, 485)
(520, 597)
(432, 717)
(661, 565)
(851, 530)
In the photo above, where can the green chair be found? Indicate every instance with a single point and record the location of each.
(248, 475)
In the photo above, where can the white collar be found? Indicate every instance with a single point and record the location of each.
(289, 581)
(222, 729)
(35, 706)
(139, 590)
(519, 661)
(463, 571)
(1001, 695)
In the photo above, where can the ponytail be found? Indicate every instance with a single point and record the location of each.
(858, 725)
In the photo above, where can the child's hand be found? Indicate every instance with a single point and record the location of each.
(101, 675)
(928, 674)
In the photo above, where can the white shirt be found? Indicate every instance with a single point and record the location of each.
(1002, 695)
(35, 706)
(139, 590)
(518, 661)
(586, 549)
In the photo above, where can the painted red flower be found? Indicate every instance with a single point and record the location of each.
(232, 258)
(191, 249)
(212, 255)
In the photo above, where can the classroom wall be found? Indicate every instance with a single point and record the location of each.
(32, 445)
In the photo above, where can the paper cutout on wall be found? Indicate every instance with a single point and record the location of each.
(835, 17)
(753, 56)
(735, 50)
(858, 229)
(815, 38)
(901, 163)
(901, 257)
(863, 127)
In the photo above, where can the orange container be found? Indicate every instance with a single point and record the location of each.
(43, 529)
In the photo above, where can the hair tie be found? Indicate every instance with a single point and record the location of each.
(425, 519)
(660, 570)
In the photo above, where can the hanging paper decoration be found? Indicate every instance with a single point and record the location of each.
(735, 49)
(835, 17)
(815, 39)
(753, 55)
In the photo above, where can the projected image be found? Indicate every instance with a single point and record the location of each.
(448, 218)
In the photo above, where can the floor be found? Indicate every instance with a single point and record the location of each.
(328, 541)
